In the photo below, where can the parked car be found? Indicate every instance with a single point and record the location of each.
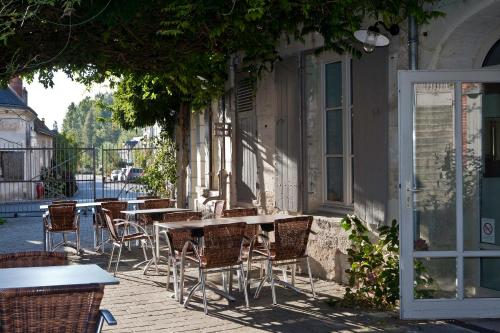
(115, 175)
(133, 173)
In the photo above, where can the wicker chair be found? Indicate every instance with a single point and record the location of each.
(251, 233)
(291, 237)
(115, 207)
(67, 309)
(221, 252)
(105, 199)
(176, 238)
(119, 238)
(252, 230)
(148, 219)
(58, 202)
(219, 207)
(32, 259)
(63, 219)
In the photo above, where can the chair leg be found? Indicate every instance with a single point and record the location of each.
(202, 279)
(118, 261)
(95, 237)
(168, 270)
(294, 270)
(176, 278)
(271, 278)
(78, 241)
(111, 256)
(259, 288)
(310, 277)
(241, 279)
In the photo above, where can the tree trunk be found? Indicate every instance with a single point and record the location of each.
(182, 145)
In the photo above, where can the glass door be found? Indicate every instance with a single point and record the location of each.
(449, 132)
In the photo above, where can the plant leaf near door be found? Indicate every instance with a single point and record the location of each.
(374, 267)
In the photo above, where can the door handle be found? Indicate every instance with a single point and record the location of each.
(414, 189)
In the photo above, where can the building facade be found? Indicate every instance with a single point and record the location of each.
(330, 134)
(21, 130)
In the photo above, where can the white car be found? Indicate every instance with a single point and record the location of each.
(115, 175)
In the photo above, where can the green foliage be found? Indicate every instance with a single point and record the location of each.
(178, 51)
(160, 171)
(89, 122)
(374, 267)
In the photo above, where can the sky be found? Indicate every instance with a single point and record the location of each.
(52, 103)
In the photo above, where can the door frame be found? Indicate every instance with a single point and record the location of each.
(459, 307)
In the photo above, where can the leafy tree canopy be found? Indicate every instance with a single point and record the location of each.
(169, 52)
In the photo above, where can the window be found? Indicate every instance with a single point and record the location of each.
(12, 165)
(338, 157)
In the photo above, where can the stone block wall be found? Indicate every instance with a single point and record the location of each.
(327, 249)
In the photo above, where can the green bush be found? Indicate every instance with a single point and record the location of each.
(160, 169)
(374, 267)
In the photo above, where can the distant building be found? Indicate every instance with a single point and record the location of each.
(20, 129)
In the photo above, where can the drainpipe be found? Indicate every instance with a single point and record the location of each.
(412, 43)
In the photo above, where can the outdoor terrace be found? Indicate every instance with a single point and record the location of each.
(140, 302)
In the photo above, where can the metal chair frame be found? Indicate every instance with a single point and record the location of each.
(100, 221)
(174, 255)
(48, 222)
(119, 240)
(202, 283)
(284, 260)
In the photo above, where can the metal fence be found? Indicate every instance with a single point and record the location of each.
(121, 170)
(33, 176)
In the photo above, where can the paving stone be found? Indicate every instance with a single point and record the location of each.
(141, 303)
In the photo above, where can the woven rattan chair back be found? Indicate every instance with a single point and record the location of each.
(62, 217)
(58, 202)
(181, 216)
(115, 209)
(68, 309)
(252, 230)
(108, 219)
(179, 237)
(222, 244)
(146, 219)
(291, 237)
(32, 259)
(105, 199)
(219, 207)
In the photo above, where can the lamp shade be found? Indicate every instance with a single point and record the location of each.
(371, 37)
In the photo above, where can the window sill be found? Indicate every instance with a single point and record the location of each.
(337, 208)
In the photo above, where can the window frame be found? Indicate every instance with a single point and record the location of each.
(347, 114)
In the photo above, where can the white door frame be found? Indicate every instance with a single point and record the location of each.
(459, 307)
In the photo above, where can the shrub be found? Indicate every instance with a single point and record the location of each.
(374, 267)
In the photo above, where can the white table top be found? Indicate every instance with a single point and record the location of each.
(95, 204)
(199, 224)
(153, 211)
(53, 276)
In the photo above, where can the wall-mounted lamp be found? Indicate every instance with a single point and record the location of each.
(372, 37)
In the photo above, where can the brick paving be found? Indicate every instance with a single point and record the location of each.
(141, 302)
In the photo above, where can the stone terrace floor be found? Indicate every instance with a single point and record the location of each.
(141, 303)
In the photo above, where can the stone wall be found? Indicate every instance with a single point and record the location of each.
(327, 249)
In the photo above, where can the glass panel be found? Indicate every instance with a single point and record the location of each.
(482, 277)
(334, 132)
(335, 182)
(434, 167)
(481, 165)
(333, 85)
(435, 278)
